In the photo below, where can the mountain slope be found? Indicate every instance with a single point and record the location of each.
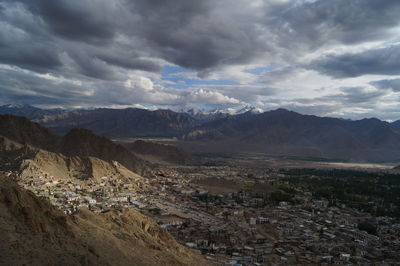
(284, 132)
(160, 152)
(78, 142)
(83, 143)
(278, 132)
(36, 233)
(396, 125)
(24, 131)
(128, 122)
(27, 111)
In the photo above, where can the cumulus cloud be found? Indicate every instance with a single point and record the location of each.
(54, 91)
(210, 97)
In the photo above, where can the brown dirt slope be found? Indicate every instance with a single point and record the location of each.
(83, 143)
(160, 152)
(26, 161)
(35, 233)
(78, 142)
(24, 131)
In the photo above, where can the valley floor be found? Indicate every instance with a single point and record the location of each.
(252, 211)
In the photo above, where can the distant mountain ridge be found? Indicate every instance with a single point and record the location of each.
(279, 131)
(134, 122)
(122, 122)
(211, 115)
(28, 111)
(129, 122)
(286, 132)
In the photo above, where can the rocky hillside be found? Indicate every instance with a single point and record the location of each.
(83, 143)
(36, 233)
(24, 131)
(160, 152)
(77, 143)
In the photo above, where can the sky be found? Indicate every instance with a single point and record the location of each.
(337, 58)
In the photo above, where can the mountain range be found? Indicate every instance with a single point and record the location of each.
(209, 115)
(28, 111)
(130, 122)
(277, 132)
(284, 132)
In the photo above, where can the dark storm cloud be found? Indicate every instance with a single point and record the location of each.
(27, 87)
(37, 57)
(192, 34)
(91, 66)
(383, 61)
(200, 35)
(130, 62)
(341, 21)
(81, 20)
(65, 38)
(356, 95)
(101, 40)
(20, 48)
(393, 84)
(195, 34)
(174, 13)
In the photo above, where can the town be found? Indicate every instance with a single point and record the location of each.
(233, 214)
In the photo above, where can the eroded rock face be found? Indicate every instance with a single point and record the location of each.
(24, 131)
(78, 142)
(160, 152)
(36, 233)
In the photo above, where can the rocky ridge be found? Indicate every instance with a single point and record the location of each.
(36, 233)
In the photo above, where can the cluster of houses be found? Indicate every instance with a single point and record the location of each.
(233, 228)
(310, 232)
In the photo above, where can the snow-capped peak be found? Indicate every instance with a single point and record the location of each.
(249, 109)
(15, 105)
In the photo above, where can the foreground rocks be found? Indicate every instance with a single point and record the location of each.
(35, 233)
